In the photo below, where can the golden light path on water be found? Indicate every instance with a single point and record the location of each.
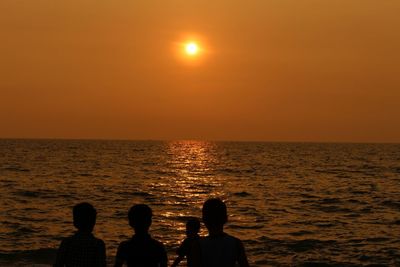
(197, 173)
(193, 162)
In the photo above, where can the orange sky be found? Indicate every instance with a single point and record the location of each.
(274, 70)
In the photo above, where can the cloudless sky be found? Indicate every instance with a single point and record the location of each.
(270, 70)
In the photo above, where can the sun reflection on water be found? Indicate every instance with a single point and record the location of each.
(193, 162)
(190, 181)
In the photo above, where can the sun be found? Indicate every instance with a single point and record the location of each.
(191, 48)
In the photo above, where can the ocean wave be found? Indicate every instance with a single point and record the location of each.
(139, 193)
(309, 244)
(243, 226)
(392, 204)
(242, 194)
(301, 233)
(16, 169)
(27, 193)
(43, 193)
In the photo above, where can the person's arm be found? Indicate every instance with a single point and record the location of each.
(164, 257)
(242, 258)
(182, 251)
(102, 255)
(177, 261)
(60, 258)
(119, 259)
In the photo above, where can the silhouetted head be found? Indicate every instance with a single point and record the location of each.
(84, 217)
(214, 214)
(140, 217)
(192, 227)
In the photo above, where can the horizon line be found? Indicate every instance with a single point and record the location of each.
(195, 139)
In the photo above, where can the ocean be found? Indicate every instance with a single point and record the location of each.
(292, 204)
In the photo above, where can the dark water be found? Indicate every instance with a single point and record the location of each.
(291, 203)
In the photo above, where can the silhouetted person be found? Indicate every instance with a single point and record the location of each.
(141, 250)
(192, 235)
(82, 249)
(218, 249)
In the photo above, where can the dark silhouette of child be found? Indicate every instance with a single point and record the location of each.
(192, 235)
(218, 249)
(141, 250)
(82, 249)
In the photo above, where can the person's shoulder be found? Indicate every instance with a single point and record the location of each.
(186, 240)
(156, 242)
(125, 243)
(124, 246)
(68, 239)
(157, 245)
(237, 240)
(221, 237)
(72, 236)
(68, 242)
(228, 236)
(186, 245)
(99, 241)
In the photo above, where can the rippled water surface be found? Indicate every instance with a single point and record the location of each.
(291, 203)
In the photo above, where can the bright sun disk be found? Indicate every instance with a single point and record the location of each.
(191, 48)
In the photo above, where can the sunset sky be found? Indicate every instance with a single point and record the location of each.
(266, 70)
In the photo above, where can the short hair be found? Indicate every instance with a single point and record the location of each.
(214, 212)
(140, 216)
(84, 215)
(193, 225)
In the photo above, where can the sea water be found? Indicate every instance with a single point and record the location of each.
(299, 204)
